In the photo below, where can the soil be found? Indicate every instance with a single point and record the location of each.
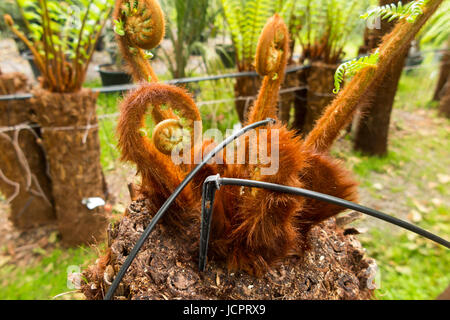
(166, 268)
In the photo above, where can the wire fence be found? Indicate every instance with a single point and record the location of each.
(215, 93)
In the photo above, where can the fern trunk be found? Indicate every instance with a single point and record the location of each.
(444, 105)
(245, 92)
(287, 100)
(372, 129)
(443, 74)
(32, 206)
(74, 157)
(319, 93)
(311, 102)
(300, 101)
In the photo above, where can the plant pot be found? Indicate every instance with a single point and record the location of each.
(27, 55)
(70, 138)
(24, 163)
(227, 54)
(112, 77)
(334, 267)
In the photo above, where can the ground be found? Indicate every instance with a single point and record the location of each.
(411, 182)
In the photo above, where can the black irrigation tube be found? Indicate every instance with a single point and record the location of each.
(170, 200)
(213, 183)
(126, 87)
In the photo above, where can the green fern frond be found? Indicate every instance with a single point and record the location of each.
(408, 12)
(246, 18)
(350, 68)
(437, 29)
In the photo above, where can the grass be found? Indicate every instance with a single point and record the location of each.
(46, 277)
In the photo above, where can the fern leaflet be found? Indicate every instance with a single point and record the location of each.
(350, 68)
(392, 11)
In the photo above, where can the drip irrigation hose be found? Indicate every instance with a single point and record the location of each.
(171, 199)
(213, 183)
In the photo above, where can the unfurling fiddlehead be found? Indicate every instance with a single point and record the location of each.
(271, 58)
(139, 26)
(133, 111)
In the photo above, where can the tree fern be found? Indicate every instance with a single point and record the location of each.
(327, 24)
(392, 11)
(350, 68)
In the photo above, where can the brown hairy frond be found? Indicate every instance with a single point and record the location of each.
(272, 53)
(160, 176)
(253, 229)
(144, 27)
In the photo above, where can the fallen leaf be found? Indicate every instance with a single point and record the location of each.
(414, 216)
(421, 207)
(217, 279)
(443, 178)
(4, 260)
(378, 186)
(436, 201)
(403, 269)
(53, 237)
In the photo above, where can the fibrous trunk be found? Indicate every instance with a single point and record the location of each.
(300, 102)
(23, 167)
(311, 101)
(245, 91)
(444, 104)
(335, 267)
(287, 99)
(319, 93)
(70, 138)
(372, 130)
(443, 74)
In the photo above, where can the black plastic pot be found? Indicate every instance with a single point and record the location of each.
(112, 77)
(27, 55)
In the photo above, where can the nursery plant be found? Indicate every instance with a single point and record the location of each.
(372, 126)
(23, 175)
(233, 223)
(252, 229)
(62, 38)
